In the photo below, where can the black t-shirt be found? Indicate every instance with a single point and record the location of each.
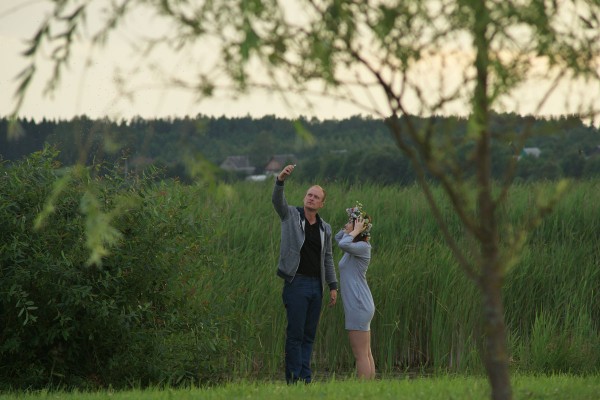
(310, 254)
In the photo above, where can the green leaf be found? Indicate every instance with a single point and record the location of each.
(304, 133)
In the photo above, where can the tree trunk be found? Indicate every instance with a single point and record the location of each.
(491, 272)
(495, 353)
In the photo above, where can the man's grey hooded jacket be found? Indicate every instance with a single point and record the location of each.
(292, 239)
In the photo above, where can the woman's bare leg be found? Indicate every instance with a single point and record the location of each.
(360, 341)
(371, 359)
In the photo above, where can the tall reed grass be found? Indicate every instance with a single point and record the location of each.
(427, 311)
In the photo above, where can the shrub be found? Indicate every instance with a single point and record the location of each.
(99, 294)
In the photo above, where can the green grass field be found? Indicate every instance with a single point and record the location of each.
(431, 388)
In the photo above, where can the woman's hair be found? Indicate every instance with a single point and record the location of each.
(364, 236)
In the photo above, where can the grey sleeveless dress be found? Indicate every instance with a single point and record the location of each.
(359, 307)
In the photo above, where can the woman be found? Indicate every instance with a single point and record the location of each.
(359, 307)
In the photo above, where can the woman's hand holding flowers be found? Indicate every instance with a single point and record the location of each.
(359, 226)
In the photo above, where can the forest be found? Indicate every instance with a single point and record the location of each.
(356, 148)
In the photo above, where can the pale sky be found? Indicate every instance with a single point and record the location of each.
(93, 90)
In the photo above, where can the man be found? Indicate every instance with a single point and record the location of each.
(306, 265)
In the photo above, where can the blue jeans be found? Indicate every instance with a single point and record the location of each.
(302, 299)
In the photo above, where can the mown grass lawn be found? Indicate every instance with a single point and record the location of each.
(436, 388)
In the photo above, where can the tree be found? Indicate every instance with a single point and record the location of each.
(398, 60)
(262, 148)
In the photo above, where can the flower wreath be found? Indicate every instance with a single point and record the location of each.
(357, 211)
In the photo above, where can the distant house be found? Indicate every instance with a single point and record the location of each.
(530, 152)
(238, 164)
(277, 162)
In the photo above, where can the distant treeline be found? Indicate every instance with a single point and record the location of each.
(342, 150)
